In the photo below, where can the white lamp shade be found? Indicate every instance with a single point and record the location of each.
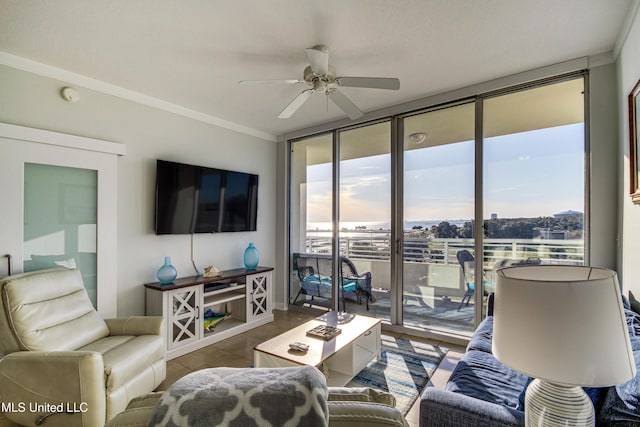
(563, 324)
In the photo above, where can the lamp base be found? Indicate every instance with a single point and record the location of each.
(553, 405)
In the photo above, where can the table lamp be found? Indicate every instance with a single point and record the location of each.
(565, 326)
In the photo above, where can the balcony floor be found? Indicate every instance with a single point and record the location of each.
(446, 315)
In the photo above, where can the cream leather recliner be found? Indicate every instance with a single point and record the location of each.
(59, 355)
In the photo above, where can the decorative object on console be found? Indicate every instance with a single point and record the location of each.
(251, 257)
(167, 273)
(211, 271)
(565, 326)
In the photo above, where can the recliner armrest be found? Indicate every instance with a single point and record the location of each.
(136, 325)
(362, 414)
(41, 383)
(360, 394)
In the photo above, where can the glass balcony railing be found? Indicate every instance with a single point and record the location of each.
(443, 251)
(434, 282)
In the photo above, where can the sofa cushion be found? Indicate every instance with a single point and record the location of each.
(313, 281)
(634, 304)
(621, 406)
(125, 356)
(49, 310)
(482, 376)
(482, 337)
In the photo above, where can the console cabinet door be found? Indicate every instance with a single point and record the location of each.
(184, 315)
(259, 295)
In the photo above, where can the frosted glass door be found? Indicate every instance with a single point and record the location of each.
(60, 220)
(60, 207)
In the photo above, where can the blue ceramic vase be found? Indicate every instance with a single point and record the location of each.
(167, 273)
(251, 257)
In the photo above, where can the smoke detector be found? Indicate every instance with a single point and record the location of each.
(69, 94)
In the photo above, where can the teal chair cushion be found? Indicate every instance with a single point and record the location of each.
(347, 285)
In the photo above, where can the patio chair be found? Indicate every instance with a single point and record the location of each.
(464, 256)
(466, 259)
(314, 272)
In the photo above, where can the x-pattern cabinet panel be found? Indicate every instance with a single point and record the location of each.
(183, 318)
(260, 299)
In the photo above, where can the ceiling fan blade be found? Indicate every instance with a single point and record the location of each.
(369, 82)
(295, 104)
(318, 57)
(271, 81)
(345, 104)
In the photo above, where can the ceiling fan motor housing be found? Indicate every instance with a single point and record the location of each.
(311, 77)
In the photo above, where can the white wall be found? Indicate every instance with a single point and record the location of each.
(34, 101)
(604, 167)
(628, 74)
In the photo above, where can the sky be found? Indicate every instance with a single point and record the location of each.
(528, 174)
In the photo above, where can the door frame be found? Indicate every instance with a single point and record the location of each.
(59, 149)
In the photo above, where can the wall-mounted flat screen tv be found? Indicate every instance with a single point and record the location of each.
(196, 199)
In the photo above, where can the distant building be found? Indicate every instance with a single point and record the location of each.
(494, 216)
(566, 213)
(555, 234)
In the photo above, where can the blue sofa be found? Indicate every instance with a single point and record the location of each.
(482, 392)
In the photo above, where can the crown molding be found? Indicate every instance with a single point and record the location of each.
(49, 71)
(631, 17)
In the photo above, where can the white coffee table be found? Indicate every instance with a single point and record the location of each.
(340, 358)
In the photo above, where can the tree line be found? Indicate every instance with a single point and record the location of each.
(510, 228)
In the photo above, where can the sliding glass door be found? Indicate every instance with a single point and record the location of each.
(312, 222)
(365, 219)
(438, 216)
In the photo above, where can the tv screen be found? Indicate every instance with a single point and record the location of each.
(197, 199)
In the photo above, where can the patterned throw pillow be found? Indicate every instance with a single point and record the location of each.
(245, 397)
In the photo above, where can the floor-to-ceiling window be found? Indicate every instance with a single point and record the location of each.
(438, 213)
(365, 216)
(311, 219)
(533, 177)
(431, 202)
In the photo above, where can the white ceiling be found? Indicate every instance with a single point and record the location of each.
(192, 53)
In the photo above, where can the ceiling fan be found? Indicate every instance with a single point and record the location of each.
(321, 78)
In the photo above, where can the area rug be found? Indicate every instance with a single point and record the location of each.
(403, 369)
